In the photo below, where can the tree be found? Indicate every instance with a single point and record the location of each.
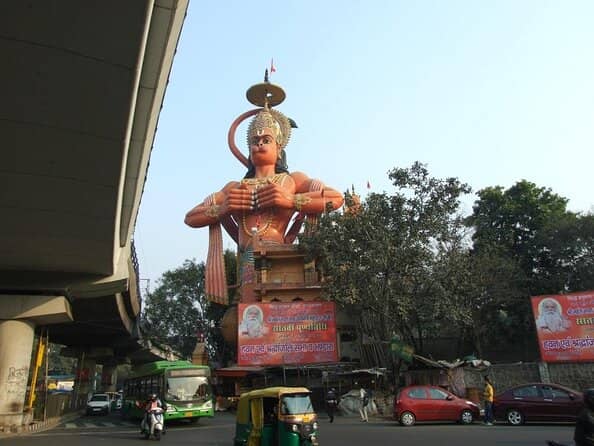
(59, 365)
(483, 293)
(379, 261)
(510, 221)
(527, 231)
(177, 312)
(566, 263)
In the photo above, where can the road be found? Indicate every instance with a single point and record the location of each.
(219, 431)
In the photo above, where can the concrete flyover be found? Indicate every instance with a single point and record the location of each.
(83, 84)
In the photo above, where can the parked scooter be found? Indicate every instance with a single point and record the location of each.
(152, 424)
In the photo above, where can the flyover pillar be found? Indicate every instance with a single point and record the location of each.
(16, 345)
(109, 377)
(19, 315)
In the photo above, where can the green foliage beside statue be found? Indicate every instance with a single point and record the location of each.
(176, 314)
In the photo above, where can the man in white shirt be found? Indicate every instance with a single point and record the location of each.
(364, 401)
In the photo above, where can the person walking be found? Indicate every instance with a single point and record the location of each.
(488, 398)
(331, 403)
(363, 402)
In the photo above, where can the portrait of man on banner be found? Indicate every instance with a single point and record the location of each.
(252, 323)
(550, 316)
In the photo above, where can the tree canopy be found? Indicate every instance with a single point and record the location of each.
(177, 312)
(550, 250)
(380, 260)
(409, 264)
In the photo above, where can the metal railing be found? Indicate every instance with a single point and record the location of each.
(136, 266)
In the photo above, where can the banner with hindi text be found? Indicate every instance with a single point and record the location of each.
(278, 333)
(565, 326)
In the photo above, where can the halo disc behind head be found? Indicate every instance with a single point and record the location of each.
(257, 94)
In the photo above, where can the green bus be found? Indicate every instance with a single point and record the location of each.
(183, 386)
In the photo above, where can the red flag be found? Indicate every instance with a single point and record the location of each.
(272, 69)
(368, 185)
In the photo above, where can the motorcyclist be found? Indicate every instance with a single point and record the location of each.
(151, 404)
(331, 403)
(584, 426)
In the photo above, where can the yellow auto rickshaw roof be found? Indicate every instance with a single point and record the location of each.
(273, 392)
(268, 392)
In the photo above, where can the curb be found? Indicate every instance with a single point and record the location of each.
(36, 426)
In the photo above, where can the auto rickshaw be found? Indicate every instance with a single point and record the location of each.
(276, 416)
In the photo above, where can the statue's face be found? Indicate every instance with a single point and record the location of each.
(263, 148)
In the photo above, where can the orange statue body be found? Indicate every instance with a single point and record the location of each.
(259, 208)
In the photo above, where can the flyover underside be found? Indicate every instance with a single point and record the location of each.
(85, 83)
(97, 322)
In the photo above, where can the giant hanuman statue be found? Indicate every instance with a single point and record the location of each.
(265, 210)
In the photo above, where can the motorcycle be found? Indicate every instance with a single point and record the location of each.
(152, 424)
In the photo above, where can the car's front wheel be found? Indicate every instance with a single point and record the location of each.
(514, 417)
(407, 419)
(466, 417)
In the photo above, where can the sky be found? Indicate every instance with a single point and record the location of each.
(490, 92)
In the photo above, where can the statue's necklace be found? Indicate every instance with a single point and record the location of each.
(257, 182)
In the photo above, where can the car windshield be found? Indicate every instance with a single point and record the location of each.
(188, 388)
(296, 404)
(99, 398)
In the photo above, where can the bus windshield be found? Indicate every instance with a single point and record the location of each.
(188, 388)
(296, 404)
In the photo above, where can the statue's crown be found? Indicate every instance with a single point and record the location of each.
(267, 95)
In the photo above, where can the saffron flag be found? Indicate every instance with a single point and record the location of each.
(272, 69)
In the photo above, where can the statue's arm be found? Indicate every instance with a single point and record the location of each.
(302, 194)
(212, 209)
(314, 197)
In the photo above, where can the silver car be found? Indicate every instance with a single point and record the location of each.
(99, 403)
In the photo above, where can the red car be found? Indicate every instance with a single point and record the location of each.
(432, 403)
(538, 402)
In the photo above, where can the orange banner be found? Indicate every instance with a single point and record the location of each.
(565, 326)
(286, 333)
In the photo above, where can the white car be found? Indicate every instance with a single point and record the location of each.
(99, 403)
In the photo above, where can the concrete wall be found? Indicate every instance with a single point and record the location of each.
(578, 376)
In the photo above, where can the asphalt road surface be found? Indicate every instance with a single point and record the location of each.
(111, 431)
